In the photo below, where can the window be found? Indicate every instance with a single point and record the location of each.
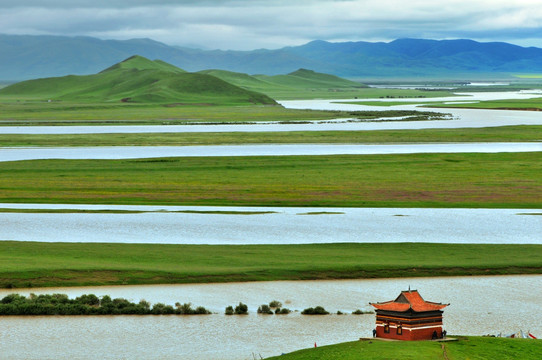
(387, 328)
(399, 329)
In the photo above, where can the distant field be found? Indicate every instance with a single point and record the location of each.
(492, 134)
(467, 348)
(524, 104)
(502, 180)
(33, 264)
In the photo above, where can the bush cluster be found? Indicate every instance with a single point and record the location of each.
(318, 310)
(274, 307)
(240, 309)
(88, 304)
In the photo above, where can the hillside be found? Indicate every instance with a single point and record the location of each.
(139, 80)
(465, 348)
(26, 57)
(298, 81)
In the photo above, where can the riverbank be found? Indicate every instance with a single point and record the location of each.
(491, 134)
(466, 347)
(32, 264)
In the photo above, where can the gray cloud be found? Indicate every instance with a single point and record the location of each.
(245, 25)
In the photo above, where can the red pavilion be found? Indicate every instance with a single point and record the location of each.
(409, 317)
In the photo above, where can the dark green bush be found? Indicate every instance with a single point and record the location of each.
(241, 309)
(229, 310)
(275, 304)
(265, 309)
(318, 310)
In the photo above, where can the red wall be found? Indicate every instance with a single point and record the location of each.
(421, 334)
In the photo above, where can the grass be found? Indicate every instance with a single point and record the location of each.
(466, 348)
(31, 264)
(74, 113)
(105, 211)
(470, 180)
(520, 104)
(522, 133)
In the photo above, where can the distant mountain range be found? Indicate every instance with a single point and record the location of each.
(26, 57)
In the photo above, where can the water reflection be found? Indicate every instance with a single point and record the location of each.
(283, 225)
(479, 305)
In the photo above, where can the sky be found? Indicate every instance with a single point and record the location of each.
(272, 24)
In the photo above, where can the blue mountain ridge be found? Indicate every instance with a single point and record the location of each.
(26, 57)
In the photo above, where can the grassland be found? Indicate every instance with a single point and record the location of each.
(31, 264)
(534, 104)
(503, 180)
(466, 348)
(521, 104)
(522, 133)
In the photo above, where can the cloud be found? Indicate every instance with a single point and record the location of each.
(249, 24)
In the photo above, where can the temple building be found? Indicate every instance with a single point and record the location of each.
(409, 317)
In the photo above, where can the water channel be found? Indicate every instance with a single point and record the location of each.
(280, 225)
(478, 306)
(135, 152)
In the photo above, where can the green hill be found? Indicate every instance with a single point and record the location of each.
(465, 348)
(286, 86)
(138, 80)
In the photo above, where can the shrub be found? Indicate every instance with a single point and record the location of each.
(283, 311)
(241, 309)
(229, 310)
(318, 310)
(265, 309)
(200, 310)
(275, 304)
(361, 312)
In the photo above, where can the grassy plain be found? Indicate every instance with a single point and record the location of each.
(521, 104)
(31, 264)
(502, 180)
(522, 133)
(466, 348)
(534, 104)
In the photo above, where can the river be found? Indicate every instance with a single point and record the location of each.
(478, 306)
(282, 225)
(136, 152)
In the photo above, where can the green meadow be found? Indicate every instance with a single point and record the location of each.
(501, 180)
(32, 264)
(466, 348)
(522, 133)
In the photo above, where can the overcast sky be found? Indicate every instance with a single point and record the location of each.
(252, 24)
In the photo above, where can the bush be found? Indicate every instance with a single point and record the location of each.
(283, 311)
(229, 310)
(275, 304)
(265, 309)
(361, 312)
(318, 310)
(241, 309)
(200, 310)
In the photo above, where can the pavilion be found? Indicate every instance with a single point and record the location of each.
(409, 317)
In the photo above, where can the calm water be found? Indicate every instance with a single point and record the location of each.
(479, 306)
(133, 152)
(285, 226)
(463, 118)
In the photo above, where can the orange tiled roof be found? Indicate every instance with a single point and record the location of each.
(410, 299)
